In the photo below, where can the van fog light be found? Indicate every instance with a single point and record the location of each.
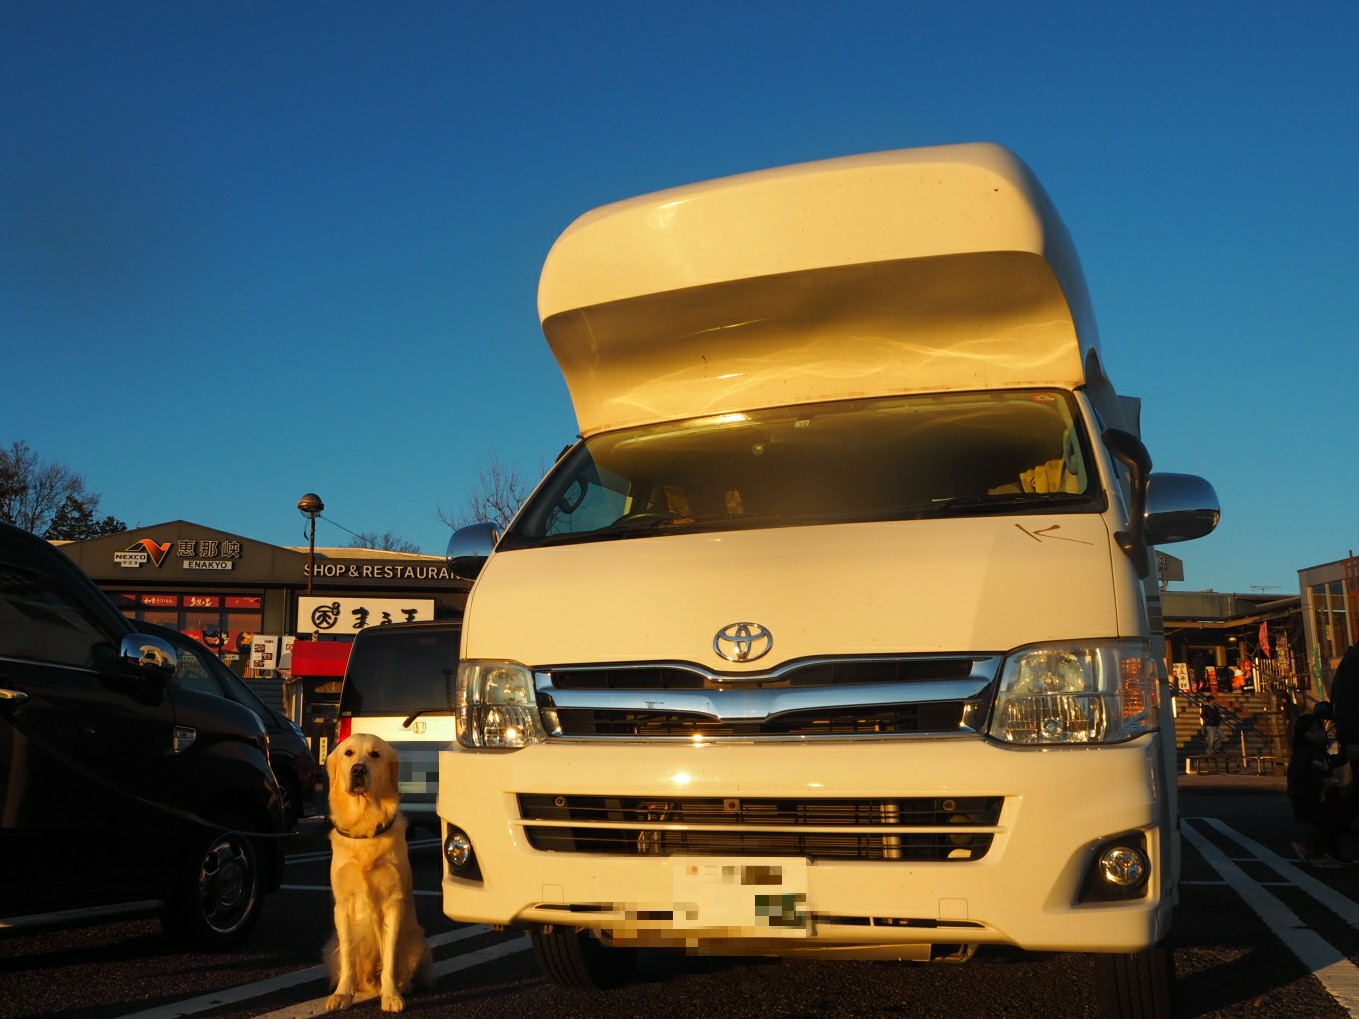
(462, 859)
(1123, 867)
(1118, 869)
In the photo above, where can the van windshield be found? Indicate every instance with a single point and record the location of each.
(396, 670)
(892, 458)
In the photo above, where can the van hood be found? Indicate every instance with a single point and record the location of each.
(979, 584)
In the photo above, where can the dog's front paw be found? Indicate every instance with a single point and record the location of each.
(336, 1002)
(393, 1002)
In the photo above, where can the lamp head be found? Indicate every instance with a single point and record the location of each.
(311, 505)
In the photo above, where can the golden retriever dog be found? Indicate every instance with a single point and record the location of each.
(378, 947)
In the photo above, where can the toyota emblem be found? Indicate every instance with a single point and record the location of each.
(743, 642)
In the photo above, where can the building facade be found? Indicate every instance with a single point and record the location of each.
(227, 590)
(1330, 596)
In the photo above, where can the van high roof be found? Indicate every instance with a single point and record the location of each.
(916, 270)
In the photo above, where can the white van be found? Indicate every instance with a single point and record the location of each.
(838, 633)
(399, 685)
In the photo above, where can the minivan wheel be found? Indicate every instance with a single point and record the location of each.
(220, 889)
(575, 959)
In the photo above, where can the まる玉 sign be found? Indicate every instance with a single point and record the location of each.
(333, 614)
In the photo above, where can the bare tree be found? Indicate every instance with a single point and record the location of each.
(48, 499)
(499, 491)
(386, 542)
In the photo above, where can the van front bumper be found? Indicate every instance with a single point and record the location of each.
(1023, 880)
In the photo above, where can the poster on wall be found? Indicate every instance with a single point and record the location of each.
(330, 615)
(1179, 675)
(264, 652)
(285, 651)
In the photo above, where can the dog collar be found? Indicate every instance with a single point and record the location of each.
(381, 830)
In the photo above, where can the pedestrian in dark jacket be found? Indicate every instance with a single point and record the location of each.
(1314, 791)
(1288, 710)
(1210, 717)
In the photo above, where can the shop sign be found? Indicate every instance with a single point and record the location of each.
(335, 615)
(382, 571)
(264, 651)
(193, 553)
(1168, 567)
(141, 553)
(160, 601)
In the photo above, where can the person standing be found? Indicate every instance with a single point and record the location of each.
(1314, 791)
(1288, 712)
(1210, 717)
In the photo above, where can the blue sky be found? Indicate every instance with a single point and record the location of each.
(254, 249)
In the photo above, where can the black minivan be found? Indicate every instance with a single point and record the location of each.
(121, 793)
(289, 750)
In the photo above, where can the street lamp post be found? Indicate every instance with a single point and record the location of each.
(311, 507)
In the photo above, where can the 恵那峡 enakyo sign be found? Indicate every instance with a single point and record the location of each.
(343, 614)
(190, 553)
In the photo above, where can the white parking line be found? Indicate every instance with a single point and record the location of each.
(259, 988)
(1328, 964)
(317, 1006)
(1340, 905)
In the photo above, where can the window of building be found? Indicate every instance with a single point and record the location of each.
(1329, 619)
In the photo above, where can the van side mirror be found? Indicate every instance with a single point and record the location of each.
(470, 547)
(1128, 449)
(1180, 507)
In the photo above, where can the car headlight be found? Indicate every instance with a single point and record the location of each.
(1080, 693)
(497, 706)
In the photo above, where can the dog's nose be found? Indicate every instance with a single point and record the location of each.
(358, 776)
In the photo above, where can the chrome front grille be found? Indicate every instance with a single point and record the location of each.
(904, 718)
(919, 829)
(864, 697)
(830, 672)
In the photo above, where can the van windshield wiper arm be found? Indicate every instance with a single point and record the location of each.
(423, 711)
(1010, 500)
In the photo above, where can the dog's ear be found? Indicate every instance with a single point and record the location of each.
(394, 773)
(333, 767)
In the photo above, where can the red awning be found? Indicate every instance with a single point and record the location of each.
(320, 658)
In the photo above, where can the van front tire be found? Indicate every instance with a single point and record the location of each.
(219, 890)
(1137, 985)
(574, 959)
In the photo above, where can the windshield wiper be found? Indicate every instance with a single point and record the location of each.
(424, 711)
(1010, 500)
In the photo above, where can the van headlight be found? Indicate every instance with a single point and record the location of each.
(1081, 693)
(497, 707)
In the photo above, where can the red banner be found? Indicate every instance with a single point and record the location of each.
(1264, 639)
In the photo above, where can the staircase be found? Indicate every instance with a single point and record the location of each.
(1252, 726)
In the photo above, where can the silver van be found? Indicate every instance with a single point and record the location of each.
(400, 685)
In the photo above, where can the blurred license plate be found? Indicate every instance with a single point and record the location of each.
(765, 896)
